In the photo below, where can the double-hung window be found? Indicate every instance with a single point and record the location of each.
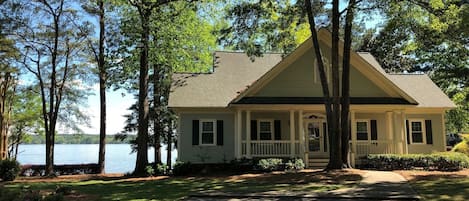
(266, 130)
(208, 132)
(362, 130)
(417, 131)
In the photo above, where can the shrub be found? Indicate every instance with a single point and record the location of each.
(295, 164)
(9, 169)
(149, 170)
(270, 164)
(161, 169)
(182, 168)
(463, 146)
(445, 161)
(241, 165)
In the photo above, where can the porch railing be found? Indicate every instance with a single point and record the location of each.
(374, 147)
(271, 148)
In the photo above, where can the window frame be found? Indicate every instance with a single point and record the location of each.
(368, 129)
(272, 130)
(423, 131)
(201, 131)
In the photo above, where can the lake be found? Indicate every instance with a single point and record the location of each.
(119, 158)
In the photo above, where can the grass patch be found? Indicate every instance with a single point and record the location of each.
(433, 186)
(177, 188)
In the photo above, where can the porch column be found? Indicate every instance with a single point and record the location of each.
(292, 133)
(398, 146)
(301, 135)
(248, 134)
(238, 140)
(404, 131)
(390, 133)
(353, 129)
(443, 122)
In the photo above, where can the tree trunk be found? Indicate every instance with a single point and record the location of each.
(157, 112)
(169, 146)
(345, 116)
(321, 68)
(102, 89)
(335, 161)
(142, 137)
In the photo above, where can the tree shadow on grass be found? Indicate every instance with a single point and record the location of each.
(437, 187)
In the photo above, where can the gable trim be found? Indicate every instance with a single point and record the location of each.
(320, 100)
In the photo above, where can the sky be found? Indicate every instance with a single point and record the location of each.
(116, 105)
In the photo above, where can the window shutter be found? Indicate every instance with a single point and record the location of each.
(253, 130)
(195, 132)
(374, 130)
(407, 131)
(277, 130)
(428, 131)
(220, 132)
(325, 137)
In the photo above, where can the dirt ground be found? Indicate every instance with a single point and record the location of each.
(307, 175)
(414, 175)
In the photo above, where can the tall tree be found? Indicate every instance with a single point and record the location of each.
(51, 49)
(97, 8)
(259, 26)
(172, 48)
(8, 71)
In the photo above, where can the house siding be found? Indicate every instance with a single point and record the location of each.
(206, 154)
(380, 123)
(284, 118)
(298, 80)
(439, 143)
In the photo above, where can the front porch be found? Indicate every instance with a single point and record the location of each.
(303, 134)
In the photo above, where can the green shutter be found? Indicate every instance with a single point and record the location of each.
(195, 132)
(220, 132)
(253, 130)
(277, 130)
(428, 131)
(374, 130)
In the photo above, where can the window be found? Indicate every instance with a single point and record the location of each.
(208, 132)
(417, 131)
(362, 130)
(265, 130)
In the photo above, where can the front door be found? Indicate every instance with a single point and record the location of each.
(316, 137)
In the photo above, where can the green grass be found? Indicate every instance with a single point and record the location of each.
(442, 189)
(176, 188)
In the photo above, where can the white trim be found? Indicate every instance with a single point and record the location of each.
(214, 127)
(368, 129)
(423, 131)
(271, 121)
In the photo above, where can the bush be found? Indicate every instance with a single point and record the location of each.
(161, 169)
(463, 146)
(9, 169)
(149, 171)
(241, 165)
(182, 168)
(270, 164)
(444, 161)
(295, 165)
(32, 195)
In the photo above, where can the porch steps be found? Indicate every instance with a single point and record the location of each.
(317, 163)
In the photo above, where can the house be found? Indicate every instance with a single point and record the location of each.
(273, 107)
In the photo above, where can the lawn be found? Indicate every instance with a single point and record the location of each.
(442, 186)
(177, 188)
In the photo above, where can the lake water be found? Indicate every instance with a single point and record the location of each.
(119, 158)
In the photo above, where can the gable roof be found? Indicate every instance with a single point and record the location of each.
(233, 72)
(235, 77)
(419, 86)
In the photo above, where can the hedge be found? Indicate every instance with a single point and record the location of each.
(444, 161)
